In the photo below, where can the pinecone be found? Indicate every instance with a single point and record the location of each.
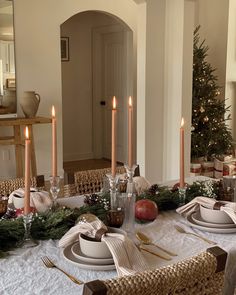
(91, 200)
(153, 189)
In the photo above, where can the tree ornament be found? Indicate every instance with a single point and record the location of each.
(206, 119)
(202, 110)
(192, 128)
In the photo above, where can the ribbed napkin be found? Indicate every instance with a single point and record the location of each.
(228, 207)
(127, 258)
(39, 199)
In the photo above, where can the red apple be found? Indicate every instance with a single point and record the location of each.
(146, 210)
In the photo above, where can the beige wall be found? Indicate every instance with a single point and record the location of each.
(230, 91)
(212, 15)
(77, 84)
(39, 68)
(38, 65)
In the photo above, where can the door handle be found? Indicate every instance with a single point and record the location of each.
(102, 102)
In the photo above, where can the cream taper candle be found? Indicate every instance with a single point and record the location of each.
(54, 143)
(113, 137)
(27, 172)
(181, 180)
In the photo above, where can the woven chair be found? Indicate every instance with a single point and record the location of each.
(89, 181)
(10, 185)
(202, 274)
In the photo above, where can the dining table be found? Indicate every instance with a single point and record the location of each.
(23, 272)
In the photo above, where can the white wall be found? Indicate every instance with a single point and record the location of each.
(38, 64)
(77, 84)
(169, 43)
(230, 91)
(39, 69)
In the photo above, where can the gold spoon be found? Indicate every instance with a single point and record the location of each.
(183, 231)
(146, 241)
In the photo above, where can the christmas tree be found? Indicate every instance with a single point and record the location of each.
(211, 135)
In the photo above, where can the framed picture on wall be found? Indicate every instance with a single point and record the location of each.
(64, 48)
(11, 83)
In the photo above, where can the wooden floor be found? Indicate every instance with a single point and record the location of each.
(89, 164)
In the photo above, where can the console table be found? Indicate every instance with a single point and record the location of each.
(18, 140)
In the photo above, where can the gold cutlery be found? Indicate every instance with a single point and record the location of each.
(48, 263)
(183, 231)
(163, 256)
(146, 241)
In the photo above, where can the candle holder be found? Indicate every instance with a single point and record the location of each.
(182, 195)
(28, 242)
(129, 221)
(115, 215)
(55, 187)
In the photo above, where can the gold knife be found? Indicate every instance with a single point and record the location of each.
(163, 256)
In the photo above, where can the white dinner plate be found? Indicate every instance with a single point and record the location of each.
(75, 249)
(68, 255)
(210, 229)
(198, 220)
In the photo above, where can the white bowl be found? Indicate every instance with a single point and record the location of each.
(18, 202)
(214, 216)
(96, 249)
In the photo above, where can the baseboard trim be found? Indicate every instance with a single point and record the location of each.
(77, 157)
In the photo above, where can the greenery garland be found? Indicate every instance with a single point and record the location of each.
(56, 222)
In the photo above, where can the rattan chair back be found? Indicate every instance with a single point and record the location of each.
(199, 275)
(10, 185)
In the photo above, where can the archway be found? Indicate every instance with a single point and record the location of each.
(98, 66)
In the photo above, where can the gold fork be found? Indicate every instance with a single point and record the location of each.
(183, 231)
(48, 263)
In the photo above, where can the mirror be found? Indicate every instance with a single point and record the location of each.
(7, 61)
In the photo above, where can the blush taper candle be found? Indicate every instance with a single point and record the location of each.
(181, 180)
(27, 172)
(113, 137)
(130, 132)
(54, 143)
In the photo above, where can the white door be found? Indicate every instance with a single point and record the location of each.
(110, 78)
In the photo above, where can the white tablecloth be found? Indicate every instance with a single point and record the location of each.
(23, 273)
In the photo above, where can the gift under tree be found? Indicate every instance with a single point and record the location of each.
(211, 136)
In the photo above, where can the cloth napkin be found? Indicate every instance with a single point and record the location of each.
(127, 258)
(141, 184)
(229, 207)
(39, 199)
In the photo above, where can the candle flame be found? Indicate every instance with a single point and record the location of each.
(114, 103)
(182, 122)
(130, 101)
(26, 132)
(53, 112)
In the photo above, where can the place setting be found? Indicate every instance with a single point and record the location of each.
(210, 215)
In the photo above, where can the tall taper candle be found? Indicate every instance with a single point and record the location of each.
(182, 181)
(54, 143)
(113, 138)
(27, 172)
(130, 133)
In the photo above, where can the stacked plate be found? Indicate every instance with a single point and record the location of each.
(211, 221)
(91, 254)
(73, 254)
